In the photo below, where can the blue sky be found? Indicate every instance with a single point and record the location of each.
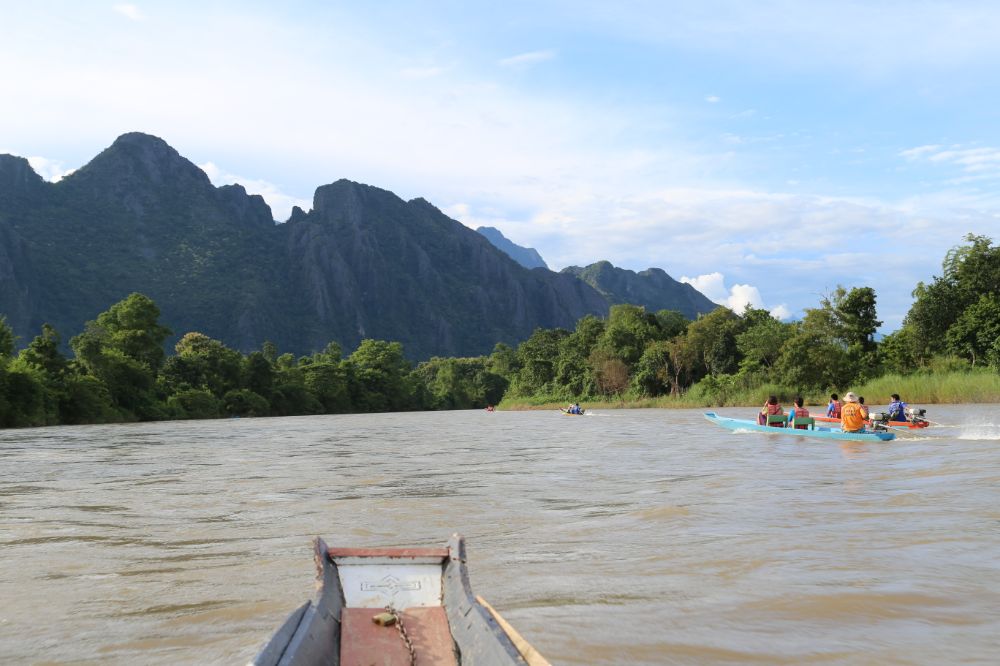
(766, 152)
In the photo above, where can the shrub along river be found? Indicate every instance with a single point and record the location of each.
(632, 536)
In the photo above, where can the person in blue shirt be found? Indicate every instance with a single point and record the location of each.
(833, 409)
(797, 411)
(897, 408)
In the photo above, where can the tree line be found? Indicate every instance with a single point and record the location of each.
(120, 372)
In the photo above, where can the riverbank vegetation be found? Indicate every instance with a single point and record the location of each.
(948, 350)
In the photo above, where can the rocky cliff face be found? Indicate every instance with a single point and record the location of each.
(372, 265)
(362, 264)
(139, 217)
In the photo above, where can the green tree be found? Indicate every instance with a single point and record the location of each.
(628, 330)
(194, 403)
(573, 372)
(327, 381)
(760, 343)
(712, 341)
(810, 360)
(898, 353)
(970, 272)
(124, 349)
(653, 376)
(258, 374)
(975, 332)
(537, 357)
(381, 377)
(202, 362)
(44, 360)
(244, 402)
(672, 323)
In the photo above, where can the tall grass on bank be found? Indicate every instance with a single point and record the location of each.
(924, 388)
(980, 386)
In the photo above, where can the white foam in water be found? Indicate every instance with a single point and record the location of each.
(980, 431)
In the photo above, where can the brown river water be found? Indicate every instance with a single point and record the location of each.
(623, 536)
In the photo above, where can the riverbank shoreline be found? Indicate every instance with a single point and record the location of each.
(947, 388)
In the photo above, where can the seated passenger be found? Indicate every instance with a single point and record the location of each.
(864, 407)
(797, 412)
(851, 417)
(771, 408)
(833, 409)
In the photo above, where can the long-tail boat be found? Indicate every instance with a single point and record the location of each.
(395, 607)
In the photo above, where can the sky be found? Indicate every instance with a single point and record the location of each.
(766, 152)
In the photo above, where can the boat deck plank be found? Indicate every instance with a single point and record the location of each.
(363, 642)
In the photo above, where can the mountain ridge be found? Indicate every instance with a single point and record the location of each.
(362, 263)
(526, 256)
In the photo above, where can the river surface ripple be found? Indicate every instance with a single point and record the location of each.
(631, 536)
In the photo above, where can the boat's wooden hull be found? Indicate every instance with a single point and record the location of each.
(818, 433)
(429, 593)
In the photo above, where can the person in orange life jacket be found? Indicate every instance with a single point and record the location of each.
(897, 408)
(797, 412)
(864, 407)
(852, 419)
(770, 408)
(833, 409)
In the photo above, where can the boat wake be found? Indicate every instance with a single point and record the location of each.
(981, 431)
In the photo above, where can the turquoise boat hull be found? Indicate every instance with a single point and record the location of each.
(818, 433)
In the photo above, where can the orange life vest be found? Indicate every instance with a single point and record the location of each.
(852, 418)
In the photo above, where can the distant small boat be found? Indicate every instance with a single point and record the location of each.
(569, 413)
(395, 606)
(819, 433)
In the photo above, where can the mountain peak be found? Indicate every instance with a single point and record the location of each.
(653, 288)
(526, 256)
(136, 158)
(16, 174)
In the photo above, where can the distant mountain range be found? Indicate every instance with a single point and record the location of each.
(526, 256)
(362, 263)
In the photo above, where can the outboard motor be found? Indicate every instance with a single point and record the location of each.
(916, 414)
(880, 421)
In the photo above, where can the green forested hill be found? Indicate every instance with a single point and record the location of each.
(651, 288)
(362, 263)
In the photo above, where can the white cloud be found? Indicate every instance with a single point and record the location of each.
(129, 11)
(528, 59)
(713, 99)
(742, 295)
(51, 170)
(712, 285)
(280, 202)
(969, 159)
(919, 152)
(736, 298)
(781, 312)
